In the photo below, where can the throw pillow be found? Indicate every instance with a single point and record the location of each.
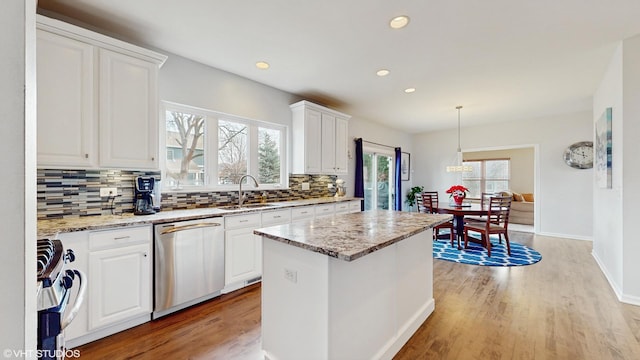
(517, 197)
(528, 197)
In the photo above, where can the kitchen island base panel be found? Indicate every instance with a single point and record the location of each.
(318, 307)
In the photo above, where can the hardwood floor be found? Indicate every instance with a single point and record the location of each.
(560, 308)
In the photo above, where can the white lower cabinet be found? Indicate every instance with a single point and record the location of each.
(355, 206)
(124, 274)
(300, 214)
(324, 210)
(117, 264)
(242, 250)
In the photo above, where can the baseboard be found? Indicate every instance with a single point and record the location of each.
(110, 330)
(566, 236)
(622, 297)
(389, 350)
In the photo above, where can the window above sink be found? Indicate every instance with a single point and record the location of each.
(207, 150)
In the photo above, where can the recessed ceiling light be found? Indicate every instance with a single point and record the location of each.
(409, 90)
(399, 22)
(382, 72)
(262, 65)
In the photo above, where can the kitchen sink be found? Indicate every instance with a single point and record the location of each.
(245, 206)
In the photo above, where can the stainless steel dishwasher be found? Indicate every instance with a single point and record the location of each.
(189, 263)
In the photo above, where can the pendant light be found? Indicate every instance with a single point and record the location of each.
(459, 167)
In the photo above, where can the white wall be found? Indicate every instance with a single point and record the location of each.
(18, 216)
(191, 83)
(607, 203)
(615, 244)
(631, 169)
(563, 200)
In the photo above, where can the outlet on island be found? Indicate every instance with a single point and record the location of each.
(291, 275)
(305, 186)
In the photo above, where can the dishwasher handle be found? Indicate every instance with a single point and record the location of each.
(188, 227)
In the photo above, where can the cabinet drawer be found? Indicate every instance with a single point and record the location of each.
(299, 213)
(276, 217)
(117, 238)
(342, 207)
(355, 206)
(242, 221)
(323, 210)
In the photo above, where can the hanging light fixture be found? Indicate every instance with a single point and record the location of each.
(459, 167)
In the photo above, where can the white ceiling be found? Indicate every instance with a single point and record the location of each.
(503, 60)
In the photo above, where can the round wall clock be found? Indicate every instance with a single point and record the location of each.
(579, 155)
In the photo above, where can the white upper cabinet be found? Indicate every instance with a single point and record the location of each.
(86, 79)
(320, 139)
(128, 111)
(66, 111)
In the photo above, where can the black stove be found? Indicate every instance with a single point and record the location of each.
(54, 284)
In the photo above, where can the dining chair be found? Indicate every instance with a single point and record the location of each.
(484, 201)
(496, 222)
(428, 203)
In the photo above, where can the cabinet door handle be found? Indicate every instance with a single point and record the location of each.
(86, 156)
(153, 158)
(243, 221)
(121, 237)
(144, 254)
(277, 217)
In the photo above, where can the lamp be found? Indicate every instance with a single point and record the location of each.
(458, 167)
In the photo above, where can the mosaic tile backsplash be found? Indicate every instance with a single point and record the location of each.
(74, 193)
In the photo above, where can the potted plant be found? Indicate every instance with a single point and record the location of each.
(411, 195)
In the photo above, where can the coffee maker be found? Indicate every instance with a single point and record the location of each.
(143, 199)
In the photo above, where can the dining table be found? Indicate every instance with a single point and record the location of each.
(459, 212)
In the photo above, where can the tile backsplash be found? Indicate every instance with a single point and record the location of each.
(74, 193)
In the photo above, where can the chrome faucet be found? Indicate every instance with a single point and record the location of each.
(241, 197)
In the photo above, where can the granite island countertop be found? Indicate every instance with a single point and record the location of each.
(51, 227)
(351, 236)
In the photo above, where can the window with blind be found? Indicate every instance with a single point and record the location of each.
(489, 175)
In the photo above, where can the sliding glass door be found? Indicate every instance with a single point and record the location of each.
(378, 179)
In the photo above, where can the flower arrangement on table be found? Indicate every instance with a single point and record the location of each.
(458, 193)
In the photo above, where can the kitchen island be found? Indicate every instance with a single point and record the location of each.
(355, 286)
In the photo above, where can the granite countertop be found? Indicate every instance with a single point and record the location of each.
(51, 227)
(350, 236)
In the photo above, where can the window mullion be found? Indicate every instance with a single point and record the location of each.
(211, 151)
(252, 151)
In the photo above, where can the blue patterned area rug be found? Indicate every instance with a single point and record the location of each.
(475, 254)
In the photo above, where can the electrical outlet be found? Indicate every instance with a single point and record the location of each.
(329, 186)
(108, 191)
(291, 275)
(305, 186)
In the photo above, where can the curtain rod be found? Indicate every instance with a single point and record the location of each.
(375, 143)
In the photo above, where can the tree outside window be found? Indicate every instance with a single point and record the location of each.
(185, 149)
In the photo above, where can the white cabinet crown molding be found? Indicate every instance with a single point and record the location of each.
(310, 105)
(94, 38)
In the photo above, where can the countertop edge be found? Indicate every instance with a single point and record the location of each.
(355, 255)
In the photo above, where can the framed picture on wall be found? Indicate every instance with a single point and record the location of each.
(405, 166)
(603, 146)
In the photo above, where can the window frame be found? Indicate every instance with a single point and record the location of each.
(483, 178)
(210, 143)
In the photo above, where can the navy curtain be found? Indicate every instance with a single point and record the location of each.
(398, 181)
(358, 187)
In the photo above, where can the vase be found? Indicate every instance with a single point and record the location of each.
(458, 200)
